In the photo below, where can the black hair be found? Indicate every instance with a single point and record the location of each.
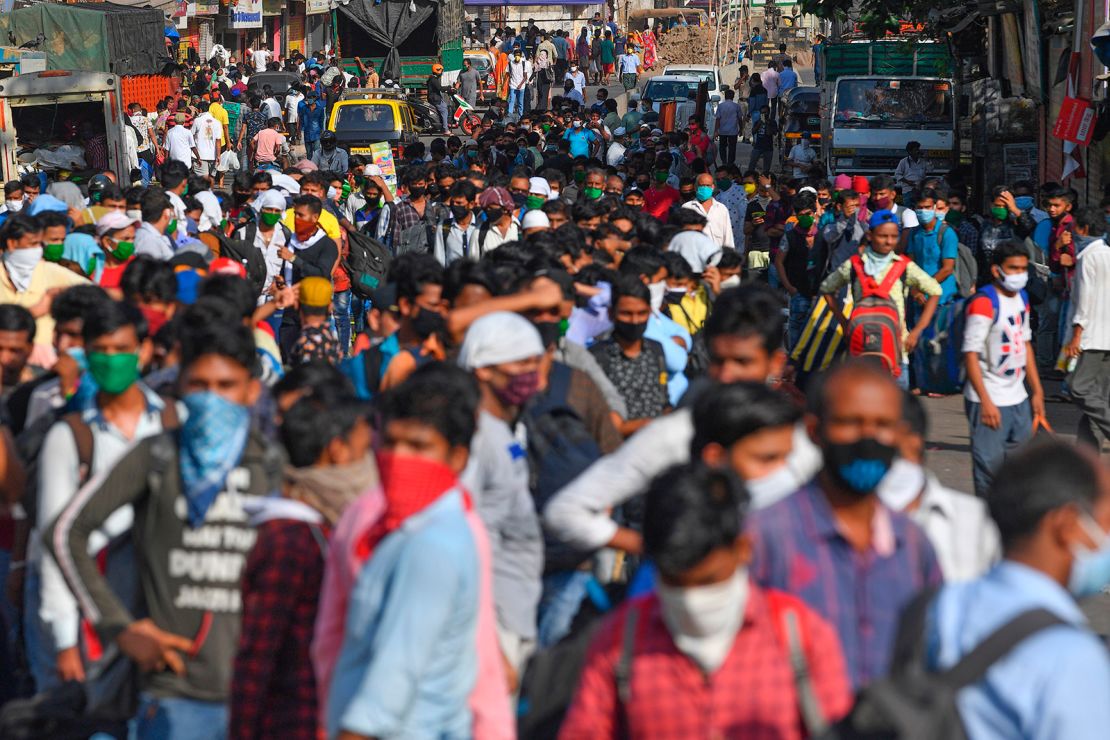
(1090, 218)
(926, 194)
(317, 376)
(227, 339)
(314, 421)
(442, 396)
(153, 204)
(50, 219)
(261, 177)
(18, 226)
(173, 174)
(311, 201)
(107, 317)
(882, 182)
(146, 278)
(806, 201)
(629, 286)
(690, 511)
(231, 288)
(1007, 249)
(677, 266)
(1036, 480)
(18, 319)
(12, 186)
(411, 272)
(727, 413)
(730, 259)
(31, 180)
(913, 413)
(464, 189)
(588, 209)
(76, 302)
(461, 273)
(683, 217)
(641, 261)
(753, 309)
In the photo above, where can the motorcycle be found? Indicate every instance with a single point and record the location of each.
(464, 116)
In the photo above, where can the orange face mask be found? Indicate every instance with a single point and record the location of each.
(303, 229)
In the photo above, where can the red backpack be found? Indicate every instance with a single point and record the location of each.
(874, 328)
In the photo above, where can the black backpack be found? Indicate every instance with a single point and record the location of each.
(245, 253)
(913, 703)
(367, 263)
(560, 447)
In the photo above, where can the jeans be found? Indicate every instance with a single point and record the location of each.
(444, 116)
(764, 155)
(1089, 384)
(800, 308)
(516, 103)
(727, 148)
(990, 446)
(310, 147)
(341, 319)
(563, 593)
(173, 718)
(38, 643)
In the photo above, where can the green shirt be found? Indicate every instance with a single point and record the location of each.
(608, 52)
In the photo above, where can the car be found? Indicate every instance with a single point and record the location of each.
(483, 63)
(362, 117)
(707, 72)
(279, 82)
(683, 90)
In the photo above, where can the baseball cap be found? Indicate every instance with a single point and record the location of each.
(113, 221)
(315, 292)
(227, 266)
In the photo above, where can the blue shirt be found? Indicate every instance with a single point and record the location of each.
(798, 548)
(409, 655)
(311, 121)
(663, 329)
(928, 254)
(1054, 684)
(580, 140)
(788, 80)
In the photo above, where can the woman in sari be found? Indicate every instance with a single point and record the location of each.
(648, 40)
(500, 71)
(582, 50)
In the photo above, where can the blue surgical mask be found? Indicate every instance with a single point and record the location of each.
(1024, 202)
(703, 193)
(925, 215)
(1090, 571)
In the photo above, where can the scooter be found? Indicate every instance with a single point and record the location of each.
(464, 116)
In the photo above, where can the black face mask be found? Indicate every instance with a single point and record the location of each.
(459, 212)
(519, 199)
(858, 466)
(686, 197)
(493, 215)
(629, 331)
(427, 323)
(549, 331)
(240, 198)
(416, 192)
(432, 191)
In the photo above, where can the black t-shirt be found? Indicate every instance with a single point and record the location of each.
(758, 240)
(561, 162)
(763, 134)
(435, 90)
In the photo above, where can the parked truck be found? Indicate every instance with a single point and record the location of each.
(42, 115)
(877, 96)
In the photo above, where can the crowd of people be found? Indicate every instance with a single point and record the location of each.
(579, 429)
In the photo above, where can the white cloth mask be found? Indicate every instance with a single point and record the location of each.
(703, 620)
(903, 483)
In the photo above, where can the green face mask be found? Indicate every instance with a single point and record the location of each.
(661, 175)
(592, 193)
(270, 219)
(805, 220)
(954, 217)
(580, 175)
(1000, 212)
(532, 202)
(123, 251)
(52, 252)
(171, 227)
(114, 373)
(724, 184)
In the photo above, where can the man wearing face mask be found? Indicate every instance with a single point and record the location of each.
(13, 199)
(1052, 506)
(719, 228)
(999, 359)
(499, 226)
(708, 635)
(463, 230)
(958, 525)
(330, 157)
(177, 484)
(833, 543)
(504, 350)
(422, 331)
(122, 412)
(310, 252)
(744, 339)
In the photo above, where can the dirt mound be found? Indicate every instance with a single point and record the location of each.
(688, 45)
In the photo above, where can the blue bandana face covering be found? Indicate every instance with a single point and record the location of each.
(213, 438)
(859, 466)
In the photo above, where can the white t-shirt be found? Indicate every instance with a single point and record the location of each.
(208, 134)
(519, 72)
(273, 108)
(292, 100)
(1000, 344)
(615, 154)
(629, 64)
(805, 154)
(180, 143)
(260, 59)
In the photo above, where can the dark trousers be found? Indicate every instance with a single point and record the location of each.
(1089, 384)
(727, 148)
(761, 155)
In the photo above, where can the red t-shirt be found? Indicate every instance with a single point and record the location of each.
(658, 202)
(111, 276)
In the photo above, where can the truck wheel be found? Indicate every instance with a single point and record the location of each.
(470, 122)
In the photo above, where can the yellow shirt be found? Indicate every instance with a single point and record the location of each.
(47, 275)
(328, 222)
(218, 113)
(691, 312)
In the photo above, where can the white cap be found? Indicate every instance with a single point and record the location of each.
(695, 247)
(284, 182)
(535, 219)
(497, 338)
(113, 221)
(539, 186)
(371, 170)
(619, 131)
